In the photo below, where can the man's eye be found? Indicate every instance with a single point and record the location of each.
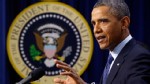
(93, 23)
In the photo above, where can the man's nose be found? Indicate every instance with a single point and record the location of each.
(97, 28)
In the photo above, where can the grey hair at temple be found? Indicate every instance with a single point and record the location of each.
(118, 8)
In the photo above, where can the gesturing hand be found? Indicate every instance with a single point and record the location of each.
(72, 76)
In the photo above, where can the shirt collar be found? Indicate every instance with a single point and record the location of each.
(120, 46)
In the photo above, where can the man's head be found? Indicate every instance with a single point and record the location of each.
(110, 21)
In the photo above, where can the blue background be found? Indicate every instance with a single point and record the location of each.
(139, 28)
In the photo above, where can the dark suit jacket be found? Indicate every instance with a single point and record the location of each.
(132, 66)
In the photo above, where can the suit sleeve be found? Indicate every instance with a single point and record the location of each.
(140, 70)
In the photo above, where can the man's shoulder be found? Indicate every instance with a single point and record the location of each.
(137, 46)
(135, 49)
(140, 47)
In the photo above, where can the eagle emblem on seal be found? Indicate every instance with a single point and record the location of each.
(50, 39)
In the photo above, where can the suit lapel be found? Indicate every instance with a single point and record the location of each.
(119, 61)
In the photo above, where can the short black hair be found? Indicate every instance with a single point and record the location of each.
(118, 8)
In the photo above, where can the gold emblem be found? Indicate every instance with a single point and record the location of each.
(45, 31)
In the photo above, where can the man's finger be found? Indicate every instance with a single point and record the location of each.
(58, 80)
(71, 74)
(60, 62)
(66, 68)
(63, 65)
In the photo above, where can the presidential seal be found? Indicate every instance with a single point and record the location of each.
(46, 31)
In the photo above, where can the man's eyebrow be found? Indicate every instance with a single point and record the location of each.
(103, 19)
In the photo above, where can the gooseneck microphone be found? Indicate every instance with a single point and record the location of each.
(34, 75)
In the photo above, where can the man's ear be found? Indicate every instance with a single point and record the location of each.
(125, 22)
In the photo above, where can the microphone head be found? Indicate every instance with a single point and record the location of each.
(37, 73)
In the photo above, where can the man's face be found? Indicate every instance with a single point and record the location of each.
(107, 28)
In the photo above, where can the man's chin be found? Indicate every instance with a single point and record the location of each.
(103, 47)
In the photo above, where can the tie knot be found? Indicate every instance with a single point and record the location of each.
(110, 59)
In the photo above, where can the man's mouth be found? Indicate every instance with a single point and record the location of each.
(100, 39)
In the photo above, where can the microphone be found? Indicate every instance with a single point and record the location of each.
(34, 75)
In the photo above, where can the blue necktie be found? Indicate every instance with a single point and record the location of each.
(107, 67)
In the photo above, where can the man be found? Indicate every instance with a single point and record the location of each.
(130, 61)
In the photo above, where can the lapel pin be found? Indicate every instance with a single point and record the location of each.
(118, 64)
